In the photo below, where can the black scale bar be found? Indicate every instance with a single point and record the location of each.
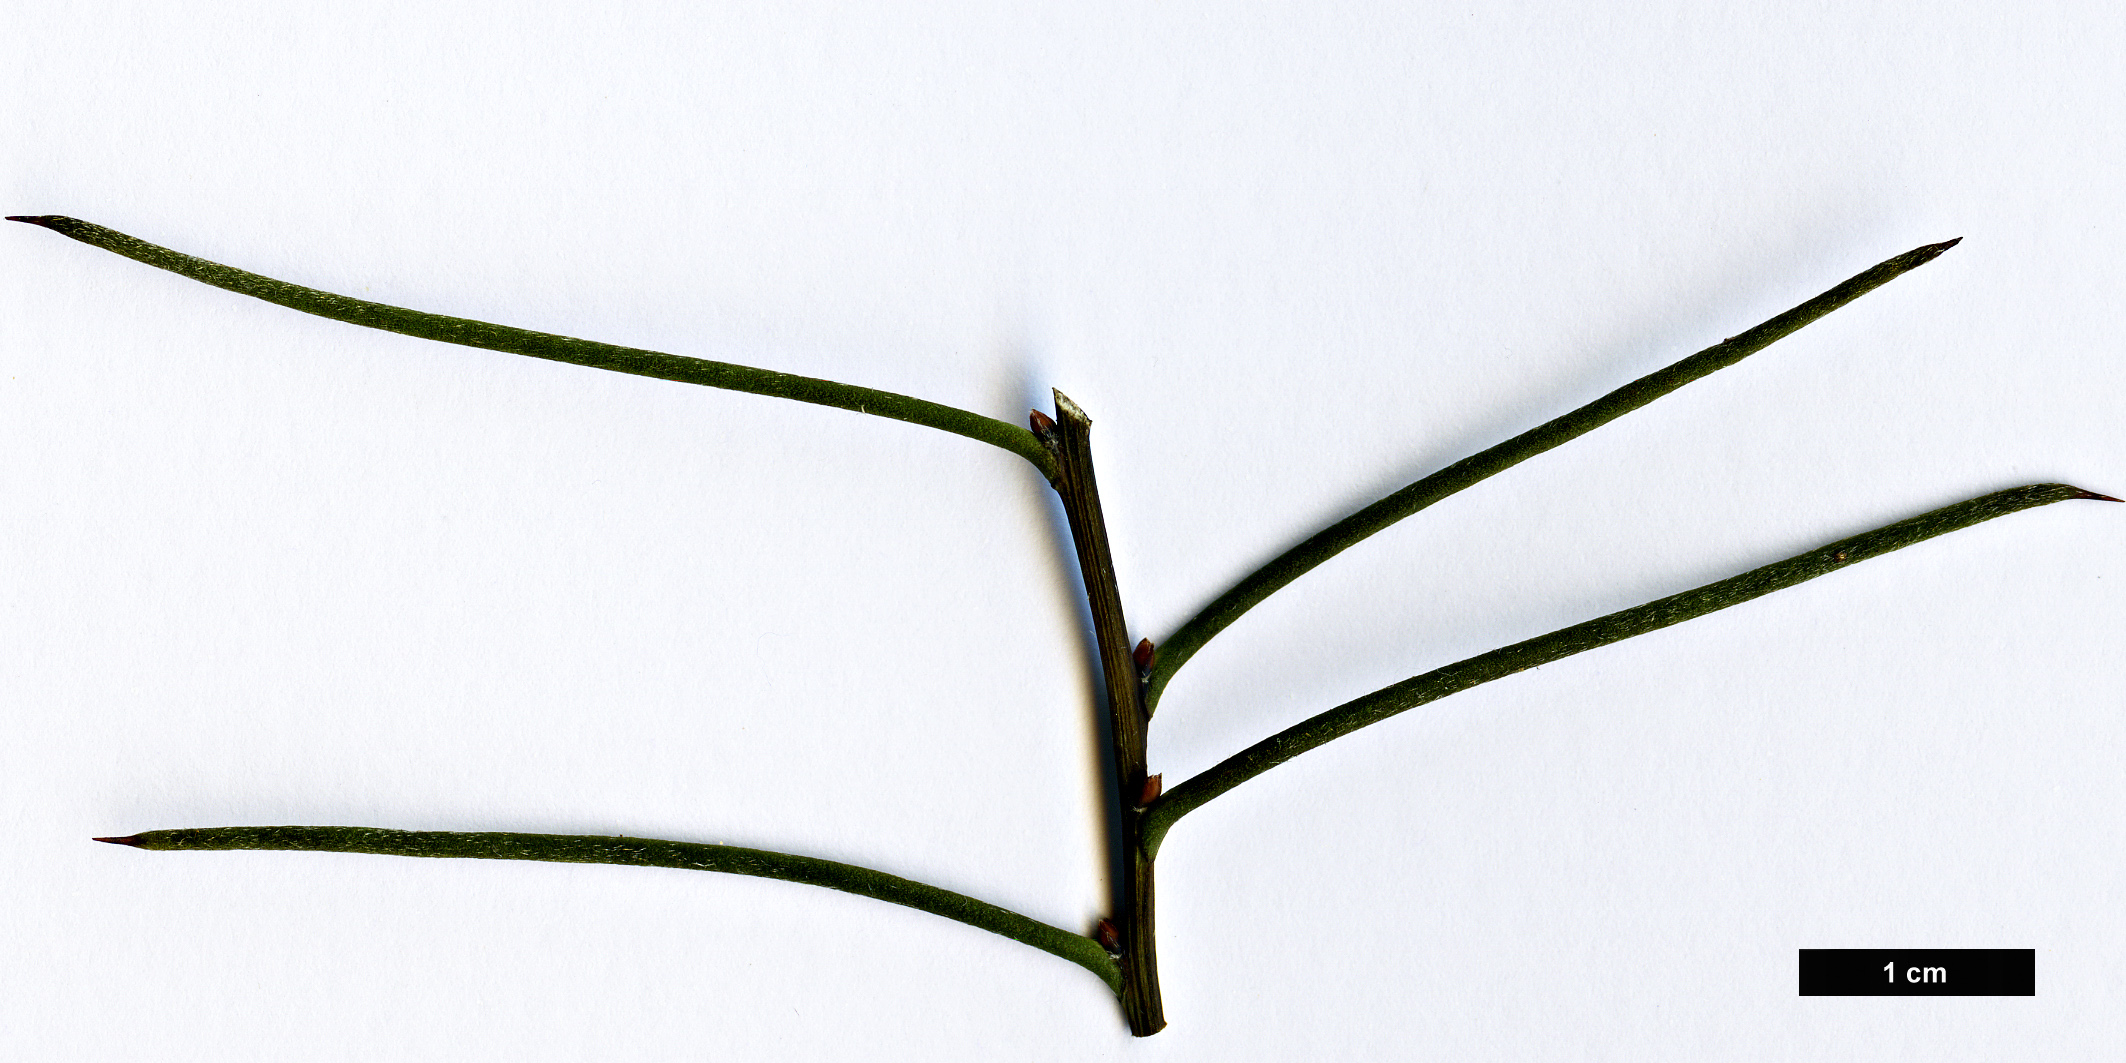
(1919, 972)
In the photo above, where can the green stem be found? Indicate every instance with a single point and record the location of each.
(1348, 532)
(1499, 663)
(650, 852)
(562, 348)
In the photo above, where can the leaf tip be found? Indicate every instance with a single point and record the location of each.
(130, 839)
(28, 219)
(2085, 493)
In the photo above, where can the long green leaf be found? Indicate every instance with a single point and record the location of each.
(546, 345)
(650, 852)
(1351, 530)
(1499, 663)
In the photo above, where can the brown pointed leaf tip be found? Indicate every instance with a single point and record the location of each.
(2101, 498)
(1143, 655)
(1152, 785)
(1108, 937)
(130, 839)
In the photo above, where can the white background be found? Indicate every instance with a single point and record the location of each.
(260, 568)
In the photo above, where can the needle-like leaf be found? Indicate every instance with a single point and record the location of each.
(650, 852)
(1616, 627)
(562, 348)
(1348, 532)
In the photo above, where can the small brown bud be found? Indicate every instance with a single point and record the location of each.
(1150, 793)
(1108, 937)
(1143, 655)
(1839, 556)
(1042, 425)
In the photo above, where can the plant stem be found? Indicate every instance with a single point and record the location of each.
(1088, 532)
(650, 852)
(546, 345)
(1348, 532)
(1579, 638)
